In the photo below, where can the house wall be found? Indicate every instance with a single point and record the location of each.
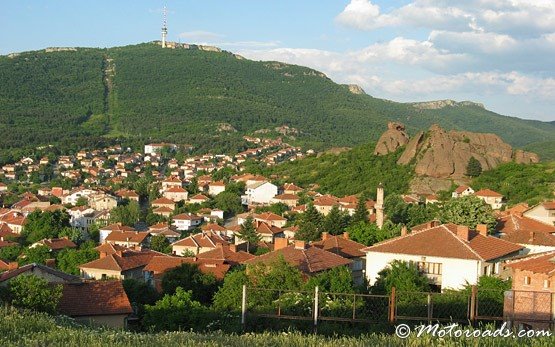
(111, 321)
(539, 213)
(455, 272)
(96, 274)
(262, 194)
(215, 190)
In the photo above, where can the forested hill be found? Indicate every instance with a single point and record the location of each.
(144, 92)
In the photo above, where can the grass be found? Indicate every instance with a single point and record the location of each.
(25, 328)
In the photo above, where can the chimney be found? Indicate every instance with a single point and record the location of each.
(346, 235)
(482, 229)
(300, 244)
(102, 255)
(280, 242)
(463, 232)
(233, 248)
(325, 236)
(531, 236)
(13, 265)
(50, 263)
(404, 230)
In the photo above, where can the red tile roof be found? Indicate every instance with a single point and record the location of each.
(269, 216)
(308, 260)
(57, 244)
(341, 246)
(227, 255)
(31, 267)
(286, 197)
(163, 201)
(159, 265)
(213, 227)
(461, 189)
(266, 229)
(537, 263)
(488, 193)
(95, 298)
(187, 216)
(442, 241)
(126, 261)
(127, 236)
(199, 197)
(516, 223)
(205, 239)
(117, 227)
(549, 205)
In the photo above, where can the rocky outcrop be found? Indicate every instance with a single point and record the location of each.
(393, 138)
(439, 104)
(355, 89)
(445, 154)
(523, 157)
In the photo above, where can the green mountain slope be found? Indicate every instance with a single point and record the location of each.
(144, 92)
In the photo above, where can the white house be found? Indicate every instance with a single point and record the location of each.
(215, 188)
(490, 197)
(73, 196)
(259, 193)
(544, 212)
(186, 221)
(449, 255)
(462, 191)
(154, 148)
(81, 217)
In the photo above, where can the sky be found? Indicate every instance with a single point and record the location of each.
(497, 52)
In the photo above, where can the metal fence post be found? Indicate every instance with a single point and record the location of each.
(316, 308)
(392, 317)
(430, 308)
(473, 302)
(244, 308)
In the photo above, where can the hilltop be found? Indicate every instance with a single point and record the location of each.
(143, 92)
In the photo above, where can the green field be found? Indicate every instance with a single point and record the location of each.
(24, 328)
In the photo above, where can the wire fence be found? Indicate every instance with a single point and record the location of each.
(466, 306)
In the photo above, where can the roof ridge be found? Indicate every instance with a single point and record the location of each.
(466, 244)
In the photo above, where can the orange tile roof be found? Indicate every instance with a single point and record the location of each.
(127, 236)
(269, 216)
(187, 216)
(126, 261)
(549, 205)
(95, 298)
(325, 200)
(308, 260)
(442, 241)
(159, 265)
(205, 239)
(266, 229)
(286, 197)
(488, 193)
(176, 190)
(516, 223)
(199, 197)
(227, 255)
(341, 246)
(163, 201)
(56, 244)
(108, 248)
(117, 227)
(212, 227)
(537, 263)
(461, 189)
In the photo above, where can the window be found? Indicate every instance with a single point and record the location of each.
(527, 280)
(429, 268)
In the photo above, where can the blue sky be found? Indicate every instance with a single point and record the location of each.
(497, 52)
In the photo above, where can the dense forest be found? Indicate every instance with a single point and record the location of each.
(143, 93)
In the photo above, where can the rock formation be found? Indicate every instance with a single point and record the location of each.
(393, 138)
(445, 154)
(439, 104)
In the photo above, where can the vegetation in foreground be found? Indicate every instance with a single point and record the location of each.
(27, 328)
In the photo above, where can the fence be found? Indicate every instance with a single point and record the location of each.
(465, 306)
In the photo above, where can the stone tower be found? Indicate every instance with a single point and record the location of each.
(379, 206)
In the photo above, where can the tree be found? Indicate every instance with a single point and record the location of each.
(228, 297)
(10, 253)
(403, 276)
(189, 277)
(160, 243)
(361, 212)
(82, 201)
(178, 311)
(44, 225)
(248, 233)
(336, 221)
(473, 168)
(228, 202)
(37, 255)
(139, 294)
(469, 211)
(369, 233)
(68, 260)
(335, 280)
(73, 234)
(396, 209)
(192, 188)
(126, 214)
(34, 293)
(94, 232)
(308, 231)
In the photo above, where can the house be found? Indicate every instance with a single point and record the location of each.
(102, 201)
(158, 266)
(163, 202)
(164, 229)
(123, 264)
(290, 188)
(6, 266)
(259, 193)
(97, 303)
(105, 231)
(15, 221)
(55, 245)
(462, 191)
(325, 203)
(198, 243)
(198, 199)
(171, 182)
(155, 148)
(129, 239)
(269, 233)
(349, 249)
(186, 221)
(226, 253)
(309, 260)
(544, 212)
(163, 211)
(176, 194)
(270, 219)
(81, 217)
(532, 297)
(534, 235)
(450, 255)
(290, 200)
(3, 187)
(490, 197)
(215, 188)
(125, 194)
(47, 273)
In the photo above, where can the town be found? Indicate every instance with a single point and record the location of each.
(103, 222)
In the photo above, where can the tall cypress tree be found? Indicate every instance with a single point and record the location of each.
(361, 212)
(473, 168)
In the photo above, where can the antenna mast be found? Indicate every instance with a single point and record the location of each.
(164, 28)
